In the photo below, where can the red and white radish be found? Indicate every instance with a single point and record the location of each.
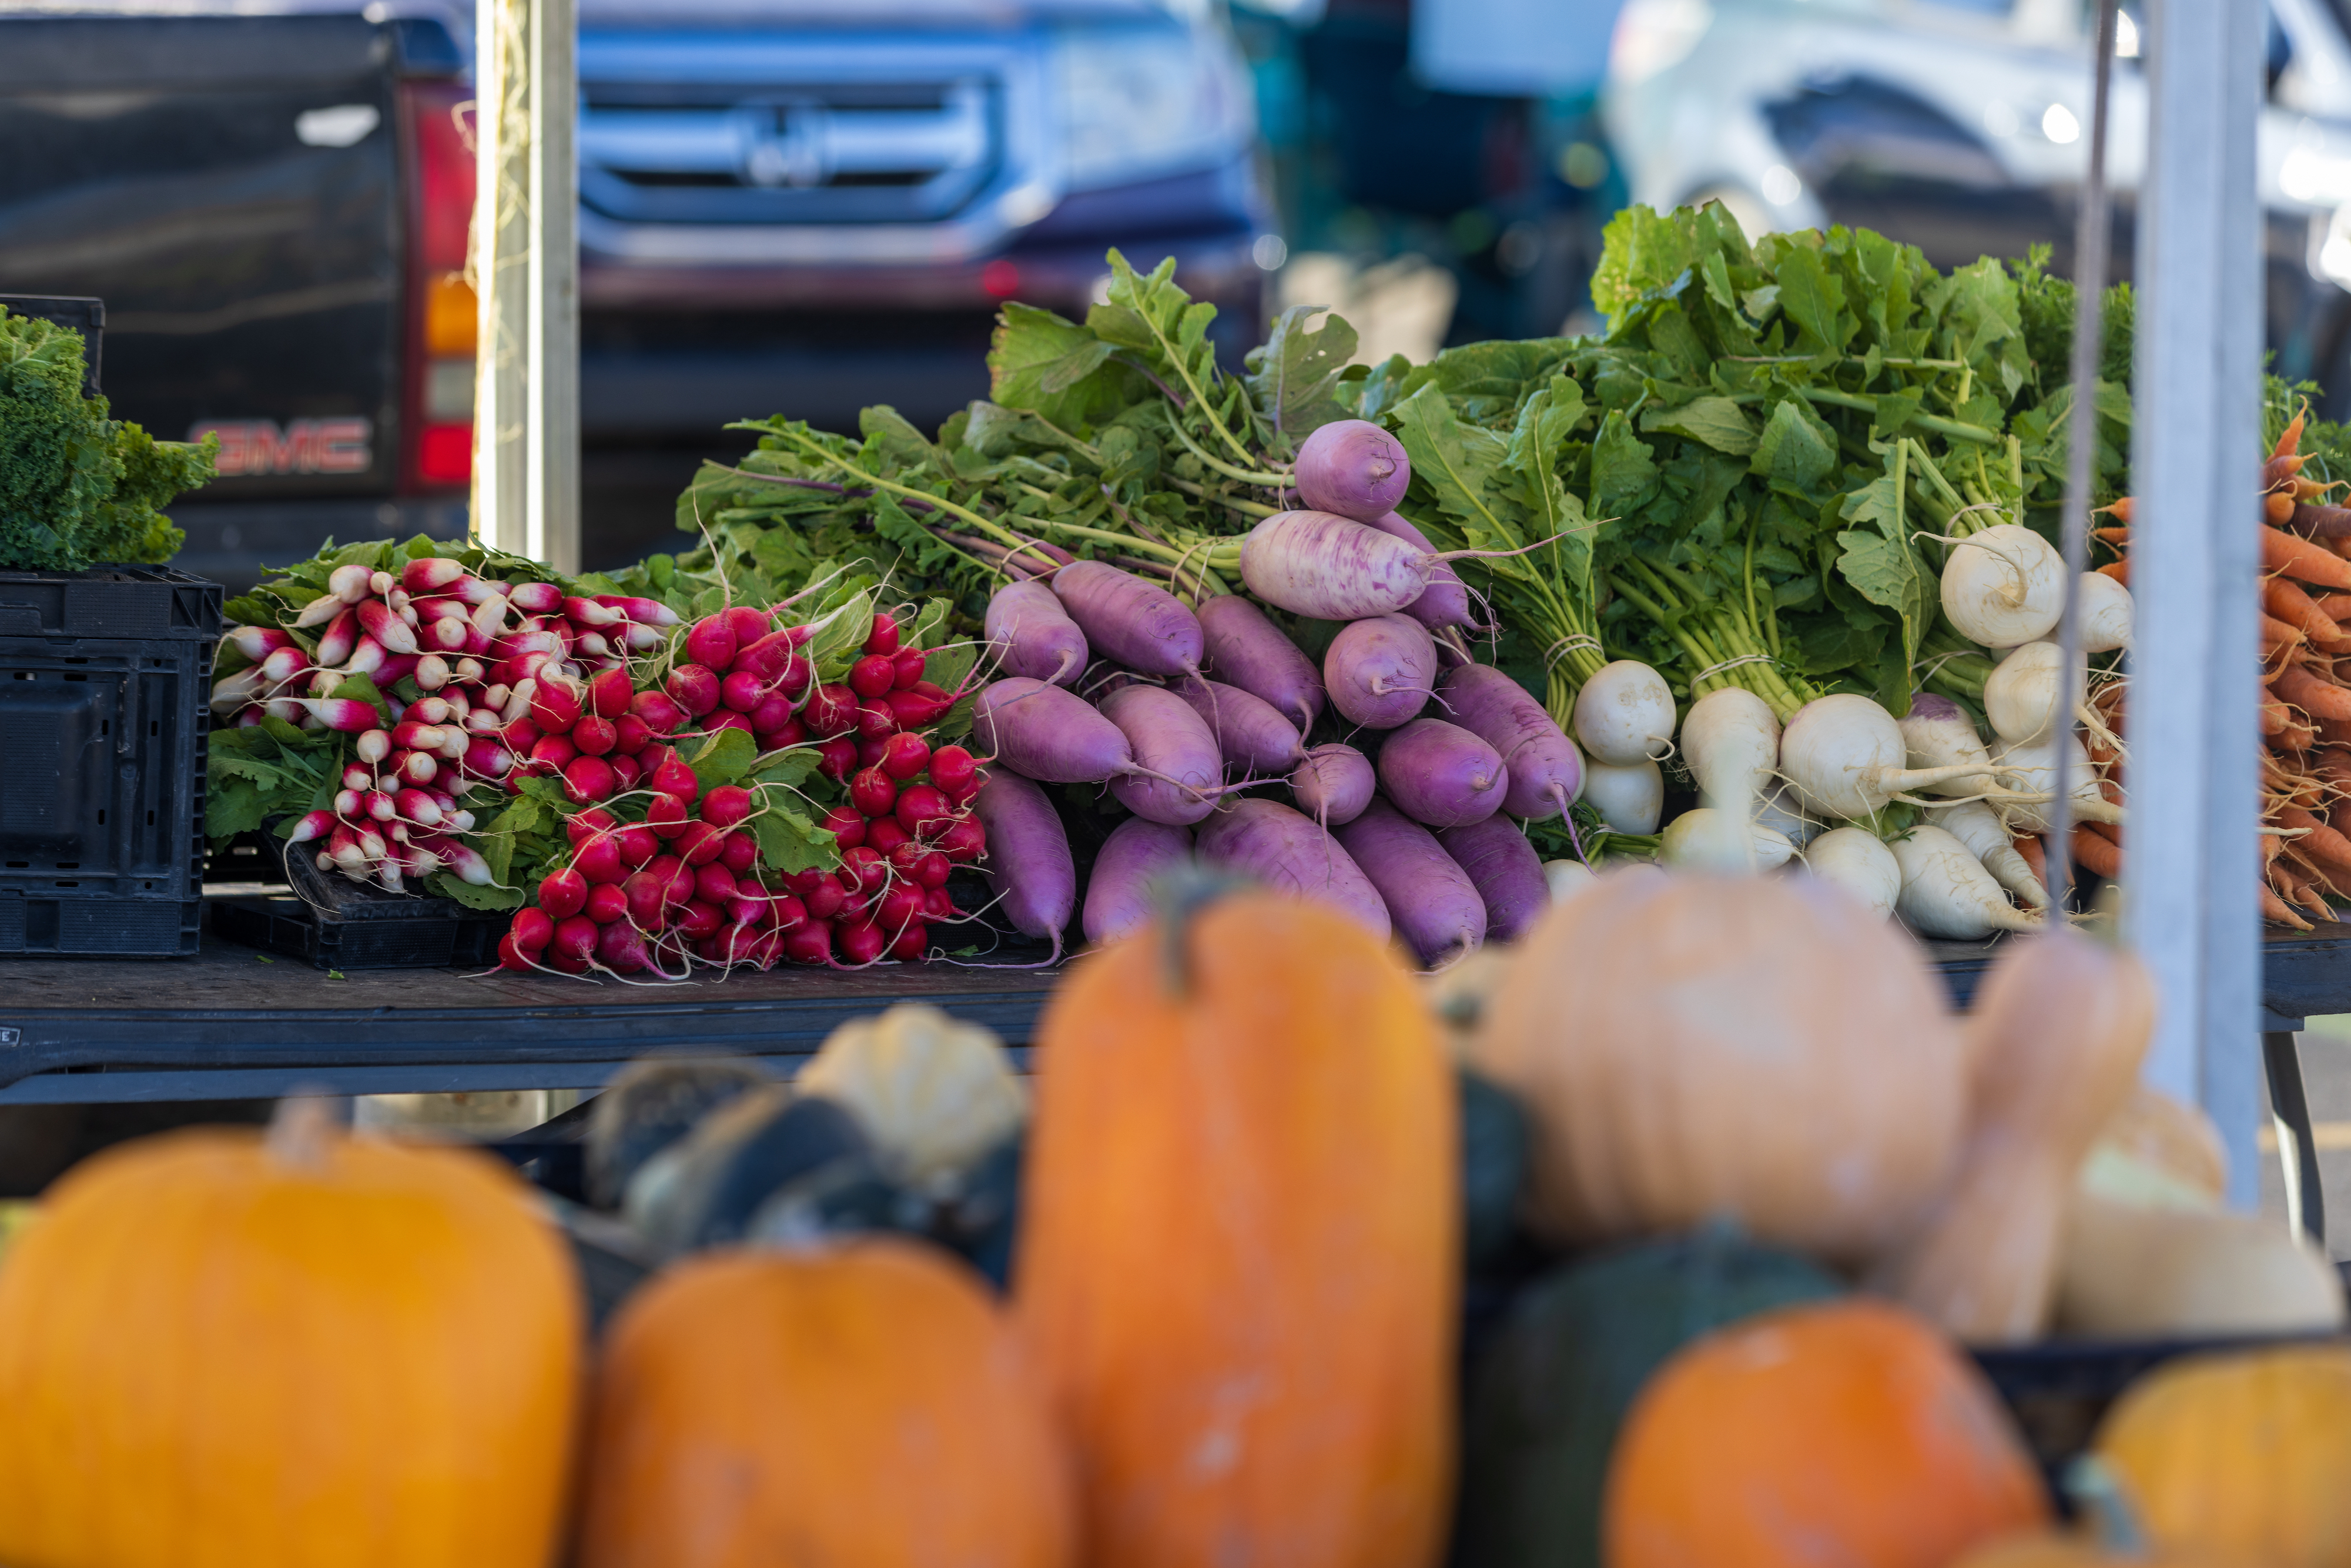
(1290, 854)
(1118, 892)
(1242, 647)
(1947, 893)
(1173, 747)
(1546, 769)
(1353, 467)
(1031, 635)
(1139, 625)
(1976, 825)
(1333, 782)
(1511, 878)
(1857, 861)
(1431, 900)
(1624, 715)
(1630, 798)
(1441, 774)
(2004, 585)
(1381, 671)
(1249, 731)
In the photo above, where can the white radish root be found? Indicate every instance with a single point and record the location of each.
(1568, 878)
(2020, 693)
(1947, 893)
(1845, 755)
(1857, 861)
(1938, 733)
(2003, 586)
(2108, 614)
(1624, 715)
(1978, 826)
(1629, 798)
(1713, 839)
(1730, 743)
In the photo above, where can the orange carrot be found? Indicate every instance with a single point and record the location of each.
(2120, 511)
(2274, 719)
(2287, 603)
(2029, 846)
(2110, 831)
(2099, 854)
(2117, 570)
(2297, 557)
(2278, 506)
(2111, 535)
(2308, 692)
(2289, 440)
(2322, 843)
(2333, 766)
(2277, 909)
(2296, 738)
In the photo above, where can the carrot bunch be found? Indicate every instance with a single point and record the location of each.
(2305, 714)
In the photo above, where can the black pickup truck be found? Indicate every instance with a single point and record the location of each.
(786, 206)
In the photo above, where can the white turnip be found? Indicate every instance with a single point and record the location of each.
(1779, 812)
(2002, 586)
(1624, 715)
(2020, 696)
(1845, 755)
(1978, 826)
(2109, 616)
(1719, 840)
(1567, 878)
(1730, 743)
(2029, 773)
(1629, 800)
(1857, 861)
(1935, 733)
(1947, 893)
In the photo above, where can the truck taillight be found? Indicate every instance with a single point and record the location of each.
(442, 321)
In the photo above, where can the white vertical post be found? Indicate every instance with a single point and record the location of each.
(527, 266)
(2191, 909)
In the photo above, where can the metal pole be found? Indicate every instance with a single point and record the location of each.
(526, 402)
(2189, 899)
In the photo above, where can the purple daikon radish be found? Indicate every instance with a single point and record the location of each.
(1381, 671)
(1249, 731)
(1506, 871)
(1546, 770)
(1290, 855)
(1027, 862)
(1333, 783)
(1046, 733)
(1445, 601)
(1118, 892)
(1431, 901)
(1244, 648)
(1353, 467)
(1331, 568)
(1032, 635)
(1137, 624)
(1441, 774)
(1175, 747)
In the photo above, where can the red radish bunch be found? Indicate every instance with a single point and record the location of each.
(907, 824)
(599, 737)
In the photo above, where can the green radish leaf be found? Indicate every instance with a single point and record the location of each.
(838, 640)
(1623, 473)
(1293, 377)
(1813, 298)
(360, 688)
(788, 841)
(722, 758)
(238, 806)
(1794, 449)
(790, 766)
(450, 885)
(1055, 368)
(1716, 421)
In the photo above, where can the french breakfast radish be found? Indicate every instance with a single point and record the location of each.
(1028, 863)
(1031, 635)
(2004, 585)
(1441, 774)
(1431, 901)
(1178, 766)
(1290, 854)
(1546, 770)
(1333, 783)
(1242, 647)
(1630, 800)
(1353, 467)
(1730, 743)
(1978, 826)
(1119, 889)
(1857, 861)
(1624, 715)
(1504, 868)
(1947, 893)
(1249, 731)
(1138, 623)
(1445, 601)
(1380, 671)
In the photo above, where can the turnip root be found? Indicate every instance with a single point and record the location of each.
(1717, 839)
(1845, 753)
(1249, 731)
(1440, 774)
(1353, 467)
(1290, 854)
(1138, 623)
(1566, 879)
(1175, 754)
(2108, 614)
(2029, 772)
(1947, 893)
(1445, 601)
(2020, 696)
(1730, 742)
(1380, 672)
(1624, 715)
(1510, 877)
(1629, 800)
(1243, 648)
(1333, 783)
(1431, 901)
(1856, 860)
(1777, 811)
(1938, 733)
(1546, 770)
(1031, 635)
(1118, 891)
(2002, 586)
(1978, 827)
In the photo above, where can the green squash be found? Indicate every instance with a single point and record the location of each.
(1553, 1382)
(1493, 1165)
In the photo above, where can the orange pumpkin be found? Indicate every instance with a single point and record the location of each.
(221, 1353)
(1848, 1433)
(2241, 1457)
(861, 1403)
(1240, 1241)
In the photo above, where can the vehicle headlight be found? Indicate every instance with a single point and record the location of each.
(1140, 101)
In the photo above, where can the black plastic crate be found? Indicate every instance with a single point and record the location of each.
(105, 675)
(334, 922)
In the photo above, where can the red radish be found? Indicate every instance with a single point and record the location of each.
(786, 912)
(831, 710)
(884, 834)
(697, 921)
(581, 826)
(676, 780)
(607, 903)
(916, 709)
(1353, 467)
(967, 839)
(1030, 635)
(485, 758)
(745, 910)
(869, 752)
(1138, 623)
(861, 943)
(637, 844)
(1442, 775)
(931, 869)
(377, 620)
(906, 854)
(883, 638)
(772, 711)
(1429, 899)
(597, 859)
(796, 674)
(767, 659)
(700, 843)
(955, 772)
(907, 668)
(902, 904)
(823, 900)
(1175, 753)
(620, 948)
(809, 944)
(1118, 890)
(336, 643)
(783, 736)
(554, 753)
(873, 793)
(728, 719)
(532, 929)
(747, 624)
(1292, 854)
(589, 779)
(574, 939)
(710, 643)
(648, 896)
(938, 905)
(904, 756)
(726, 806)
(872, 676)
(555, 705)
(837, 758)
(694, 689)
(923, 810)
(626, 771)
(742, 691)
(714, 883)
(609, 693)
(661, 714)
(1032, 870)
(1244, 648)
(863, 869)
(312, 825)
(1380, 672)
(563, 892)
(594, 737)
(677, 877)
(876, 721)
(631, 735)
(738, 852)
(521, 733)
(846, 825)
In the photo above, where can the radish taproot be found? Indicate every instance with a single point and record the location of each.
(1730, 743)
(1978, 826)
(1431, 901)
(2029, 773)
(1119, 889)
(1380, 671)
(1857, 861)
(1938, 733)
(1138, 623)
(1722, 841)
(1333, 782)
(1947, 893)
(1545, 768)
(1173, 747)
(1049, 734)
(1845, 756)
(1629, 800)
(2020, 696)
(1624, 715)
(2004, 585)
(1445, 601)
(1290, 854)
(1441, 774)
(1028, 863)
(1353, 467)
(1331, 568)
(2109, 615)
(1249, 731)
(1243, 647)
(1031, 635)
(1508, 875)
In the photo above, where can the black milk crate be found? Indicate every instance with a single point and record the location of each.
(105, 678)
(334, 922)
